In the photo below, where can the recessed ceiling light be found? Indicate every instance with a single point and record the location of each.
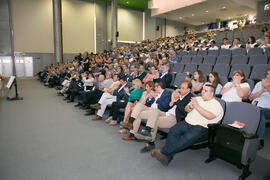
(206, 11)
(192, 14)
(180, 17)
(224, 7)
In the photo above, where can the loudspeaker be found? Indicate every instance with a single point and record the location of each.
(157, 28)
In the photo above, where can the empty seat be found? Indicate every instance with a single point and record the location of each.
(180, 77)
(223, 60)
(259, 71)
(222, 69)
(197, 59)
(213, 52)
(239, 59)
(182, 53)
(205, 68)
(192, 53)
(178, 68)
(190, 68)
(186, 60)
(202, 53)
(236, 145)
(243, 67)
(210, 59)
(267, 52)
(239, 51)
(251, 84)
(225, 52)
(255, 51)
(223, 80)
(258, 59)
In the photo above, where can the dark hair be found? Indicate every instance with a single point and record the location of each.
(213, 89)
(161, 83)
(122, 77)
(217, 79)
(201, 77)
(225, 38)
(213, 42)
(252, 39)
(188, 83)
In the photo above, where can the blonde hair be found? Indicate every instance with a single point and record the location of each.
(138, 82)
(242, 74)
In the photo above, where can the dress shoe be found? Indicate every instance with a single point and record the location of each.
(84, 107)
(129, 138)
(147, 148)
(77, 105)
(97, 118)
(160, 157)
(89, 113)
(144, 135)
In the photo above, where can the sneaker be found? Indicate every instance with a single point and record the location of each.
(147, 148)
(144, 135)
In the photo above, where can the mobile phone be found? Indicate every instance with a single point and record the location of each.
(255, 103)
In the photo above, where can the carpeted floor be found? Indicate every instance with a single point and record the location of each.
(44, 138)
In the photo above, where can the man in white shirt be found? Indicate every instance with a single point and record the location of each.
(260, 96)
(202, 110)
(225, 45)
(213, 45)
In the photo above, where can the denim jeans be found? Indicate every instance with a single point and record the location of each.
(181, 136)
(265, 114)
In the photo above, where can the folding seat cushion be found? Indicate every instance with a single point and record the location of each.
(239, 59)
(222, 69)
(223, 60)
(258, 59)
(197, 59)
(210, 59)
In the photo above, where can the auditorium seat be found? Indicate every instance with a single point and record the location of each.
(223, 60)
(210, 59)
(205, 68)
(239, 59)
(243, 67)
(258, 59)
(222, 69)
(197, 59)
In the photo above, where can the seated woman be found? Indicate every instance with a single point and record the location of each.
(152, 75)
(236, 90)
(251, 43)
(197, 82)
(149, 86)
(132, 95)
(215, 82)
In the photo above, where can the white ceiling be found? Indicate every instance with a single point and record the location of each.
(196, 14)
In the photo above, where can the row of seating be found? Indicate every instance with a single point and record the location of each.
(256, 72)
(227, 52)
(235, 59)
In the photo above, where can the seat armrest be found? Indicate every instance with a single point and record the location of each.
(250, 136)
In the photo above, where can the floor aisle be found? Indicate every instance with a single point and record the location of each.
(44, 138)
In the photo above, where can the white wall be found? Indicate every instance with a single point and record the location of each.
(33, 25)
(78, 26)
(130, 24)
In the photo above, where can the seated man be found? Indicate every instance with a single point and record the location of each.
(225, 44)
(160, 99)
(165, 76)
(202, 111)
(213, 45)
(159, 119)
(260, 97)
(236, 44)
